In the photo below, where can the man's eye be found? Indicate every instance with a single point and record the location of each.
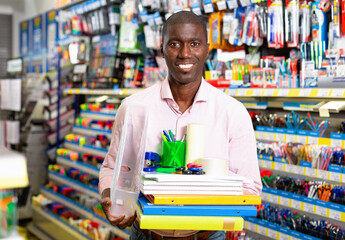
(174, 44)
(195, 44)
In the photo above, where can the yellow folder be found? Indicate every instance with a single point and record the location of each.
(246, 199)
(175, 222)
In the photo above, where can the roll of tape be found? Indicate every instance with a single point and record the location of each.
(214, 166)
(195, 142)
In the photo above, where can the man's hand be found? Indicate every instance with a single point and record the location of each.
(121, 222)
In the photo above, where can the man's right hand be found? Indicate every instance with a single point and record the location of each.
(121, 222)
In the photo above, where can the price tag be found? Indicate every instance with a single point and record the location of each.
(305, 92)
(251, 226)
(335, 214)
(288, 168)
(268, 92)
(290, 138)
(273, 198)
(296, 204)
(271, 233)
(232, 92)
(298, 170)
(310, 172)
(265, 196)
(261, 230)
(322, 174)
(284, 201)
(268, 164)
(221, 5)
(336, 142)
(241, 92)
(283, 92)
(270, 136)
(283, 236)
(313, 140)
(232, 4)
(257, 92)
(208, 8)
(280, 137)
(308, 207)
(334, 176)
(321, 211)
(323, 92)
(301, 139)
(261, 135)
(337, 93)
(279, 166)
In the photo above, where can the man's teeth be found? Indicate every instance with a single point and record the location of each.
(185, 66)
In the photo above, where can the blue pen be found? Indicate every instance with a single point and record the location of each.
(167, 136)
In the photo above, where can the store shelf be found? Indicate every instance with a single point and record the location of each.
(64, 130)
(38, 232)
(241, 92)
(80, 165)
(287, 93)
(66, 101)
(82, 210)
(304, 139)
(314, 206)
(93, 192)
(272, 230)
(102, 152)
(52, 123)
(110, 92)
(97, 115)
(91, 131)
(61, 223)
(303, 171)
(13, 238)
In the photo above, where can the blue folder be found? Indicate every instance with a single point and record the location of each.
(148, 208)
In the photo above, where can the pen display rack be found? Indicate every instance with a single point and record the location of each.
(173, 154)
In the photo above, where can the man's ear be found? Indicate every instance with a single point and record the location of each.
(208, 49)
(162, 50)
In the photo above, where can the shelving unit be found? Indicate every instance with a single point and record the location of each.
(97, 115)
(90, 131)
(82, 166)
(303, 171)
(82, 210)
(312, 206)
(58, 223)
(86, 149)
(93, 192)
(273, 231)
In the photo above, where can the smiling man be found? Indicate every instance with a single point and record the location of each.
(183, 98)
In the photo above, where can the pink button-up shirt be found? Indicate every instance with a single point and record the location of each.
(229, 132)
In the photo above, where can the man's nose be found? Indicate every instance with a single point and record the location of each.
(185, 51)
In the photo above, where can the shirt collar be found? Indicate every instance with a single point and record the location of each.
(201, 95)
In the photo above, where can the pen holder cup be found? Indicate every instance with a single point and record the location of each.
(173, 154)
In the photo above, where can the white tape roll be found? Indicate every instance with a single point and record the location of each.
(214, 166)
(195, 142)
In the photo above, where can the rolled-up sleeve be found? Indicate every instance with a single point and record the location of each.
(106, 171)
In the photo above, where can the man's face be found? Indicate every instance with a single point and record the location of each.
(185, 50)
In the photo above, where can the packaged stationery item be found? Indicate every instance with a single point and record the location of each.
(291, 22)
(275, 27)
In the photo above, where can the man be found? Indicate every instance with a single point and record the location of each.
(183, 98)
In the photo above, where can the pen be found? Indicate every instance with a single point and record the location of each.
(164, 138)
(167, 136)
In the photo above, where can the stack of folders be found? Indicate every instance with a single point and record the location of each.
(194, 202)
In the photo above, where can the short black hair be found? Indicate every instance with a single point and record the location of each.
(184, 17)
